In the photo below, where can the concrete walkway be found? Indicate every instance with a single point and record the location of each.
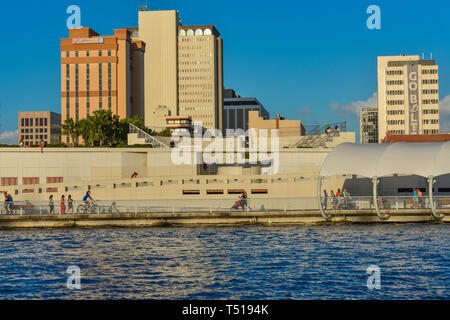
(225, 218)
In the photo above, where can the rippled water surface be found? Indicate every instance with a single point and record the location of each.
(248, 262)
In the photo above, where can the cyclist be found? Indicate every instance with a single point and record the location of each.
(86, 199)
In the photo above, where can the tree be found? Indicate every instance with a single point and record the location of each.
(70, 128)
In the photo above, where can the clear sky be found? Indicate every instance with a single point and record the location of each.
(308, 60)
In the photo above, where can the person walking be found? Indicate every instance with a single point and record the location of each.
(63, 205)
(244, 200)
(8, 202)
(70, 204)
(51, 204)
(325, 199)
(42, 144)
(332, 199)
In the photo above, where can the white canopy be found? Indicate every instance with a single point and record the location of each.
(378, 160)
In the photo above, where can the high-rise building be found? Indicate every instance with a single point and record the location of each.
(408, 95)
(36, 125)
(236, 110)
(101, 72)
(368, 125)
(183, 70)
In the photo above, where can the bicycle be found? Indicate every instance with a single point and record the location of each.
(88, 208)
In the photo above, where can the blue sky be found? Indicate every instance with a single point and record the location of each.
(308, 60)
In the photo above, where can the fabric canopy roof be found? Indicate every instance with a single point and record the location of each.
(378, 160)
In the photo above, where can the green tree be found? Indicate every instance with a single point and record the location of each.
(70, 128)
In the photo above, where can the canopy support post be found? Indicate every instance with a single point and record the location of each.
(319, 199)
(430, 194)
(375, 200)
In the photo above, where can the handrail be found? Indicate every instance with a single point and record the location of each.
(149, 139)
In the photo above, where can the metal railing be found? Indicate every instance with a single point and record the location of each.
(397, 203)
(149, 139)
(317, 136)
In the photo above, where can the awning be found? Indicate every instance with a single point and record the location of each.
(378, 160)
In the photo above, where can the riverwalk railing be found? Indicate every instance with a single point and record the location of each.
(331, 205)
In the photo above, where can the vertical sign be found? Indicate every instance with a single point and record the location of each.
(413, 95)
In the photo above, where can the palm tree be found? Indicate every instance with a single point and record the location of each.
(70, 128)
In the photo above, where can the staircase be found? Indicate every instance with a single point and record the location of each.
(316, 139)
(149, 139)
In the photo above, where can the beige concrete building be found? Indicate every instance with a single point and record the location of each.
(101, 72)
(408, 95)
(368, 125)
(36, 125)
(183, 70)
(286, 127)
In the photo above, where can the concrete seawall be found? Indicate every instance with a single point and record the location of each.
(226, 218)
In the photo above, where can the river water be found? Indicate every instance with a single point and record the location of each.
(244, 262)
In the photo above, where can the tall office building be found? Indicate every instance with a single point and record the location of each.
(408, 95)
(101, 72)
(368, 125)
(183, 70)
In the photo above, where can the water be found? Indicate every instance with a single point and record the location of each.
(245, 262)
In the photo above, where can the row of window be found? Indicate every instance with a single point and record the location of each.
(429, 81)
(195, 78)
(88, 54)
(394, 72)
(430, 101)
(395, 102)
(396, 112)
(198, 32)
(195, 39)
(430, 111)
(396, 122)
(429, 71)
(27, 137)
(196, 93)
(195, 62)
(30, 122)
(196, 55)
(199, 47)
(401, 92)
(195, 100)
(200, 108)
(395, 92)
(195, 70)
(400, 82)
(400, 72)
(42, 130)
(432, 131)
(204, 86)
(430, 121)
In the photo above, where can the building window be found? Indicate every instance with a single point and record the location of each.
(77, 106)
(88, 88)
(67, 93)
(76, 54)
(109, 86)
(100, 86)
(99, 53)
(109, 53)
(87, 53)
